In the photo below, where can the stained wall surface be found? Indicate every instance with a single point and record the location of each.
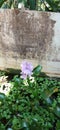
(30, 35)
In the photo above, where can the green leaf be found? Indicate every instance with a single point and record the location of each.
(2, 96)
(32, 4)
(48, 101)
(57, 111)
(48, 92)
(1, 2)
(35, 125)
(37, 70)
(4, 5)
(58, 125)
(25, 125)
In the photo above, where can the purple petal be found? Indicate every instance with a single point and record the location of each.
(26, 68)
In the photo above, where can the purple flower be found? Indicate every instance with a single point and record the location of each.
(26, 69)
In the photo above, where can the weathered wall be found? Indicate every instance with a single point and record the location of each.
(30, 35)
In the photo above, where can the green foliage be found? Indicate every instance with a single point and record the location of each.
(32, 4)
(33, 103)
(1, 2)
(43, 5)
(54, 5)
(6, 3)
(58, 125)
(37, 70)
(2, 73)
(2, 96)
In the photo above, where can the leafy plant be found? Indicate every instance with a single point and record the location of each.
(42, 5)
(33, 103)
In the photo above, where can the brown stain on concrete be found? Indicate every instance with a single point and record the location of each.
(46, 35)
(26, 34)
(33, 34)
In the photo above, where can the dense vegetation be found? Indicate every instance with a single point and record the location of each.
(33, 103)
(43, 5)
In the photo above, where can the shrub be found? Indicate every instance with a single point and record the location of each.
(33, 103)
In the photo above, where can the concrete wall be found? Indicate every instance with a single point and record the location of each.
(30, 35)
